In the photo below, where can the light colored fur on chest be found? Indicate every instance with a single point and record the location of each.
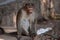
(30, 17)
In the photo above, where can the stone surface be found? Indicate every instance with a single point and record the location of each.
(6, 37)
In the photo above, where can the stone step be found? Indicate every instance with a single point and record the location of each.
(9, 29)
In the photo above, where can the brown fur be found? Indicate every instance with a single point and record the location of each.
(19, 15)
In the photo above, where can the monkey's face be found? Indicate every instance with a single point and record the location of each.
(30, 9)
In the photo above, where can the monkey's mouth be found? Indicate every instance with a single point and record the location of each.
(30, 10)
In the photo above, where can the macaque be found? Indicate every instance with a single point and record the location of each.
(25, 20)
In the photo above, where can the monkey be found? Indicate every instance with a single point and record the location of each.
(25, 20)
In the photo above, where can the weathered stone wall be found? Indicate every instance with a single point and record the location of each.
(2, 0)
(57, 6)
(8, 11)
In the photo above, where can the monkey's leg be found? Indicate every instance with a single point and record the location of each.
(19, 34)
(19, 31)
(32, 32)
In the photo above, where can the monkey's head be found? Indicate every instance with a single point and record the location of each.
(29, 7)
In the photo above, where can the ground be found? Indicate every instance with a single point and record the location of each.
(12, 36)
(6, 37)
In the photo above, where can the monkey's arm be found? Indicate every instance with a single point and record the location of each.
(22, 23)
